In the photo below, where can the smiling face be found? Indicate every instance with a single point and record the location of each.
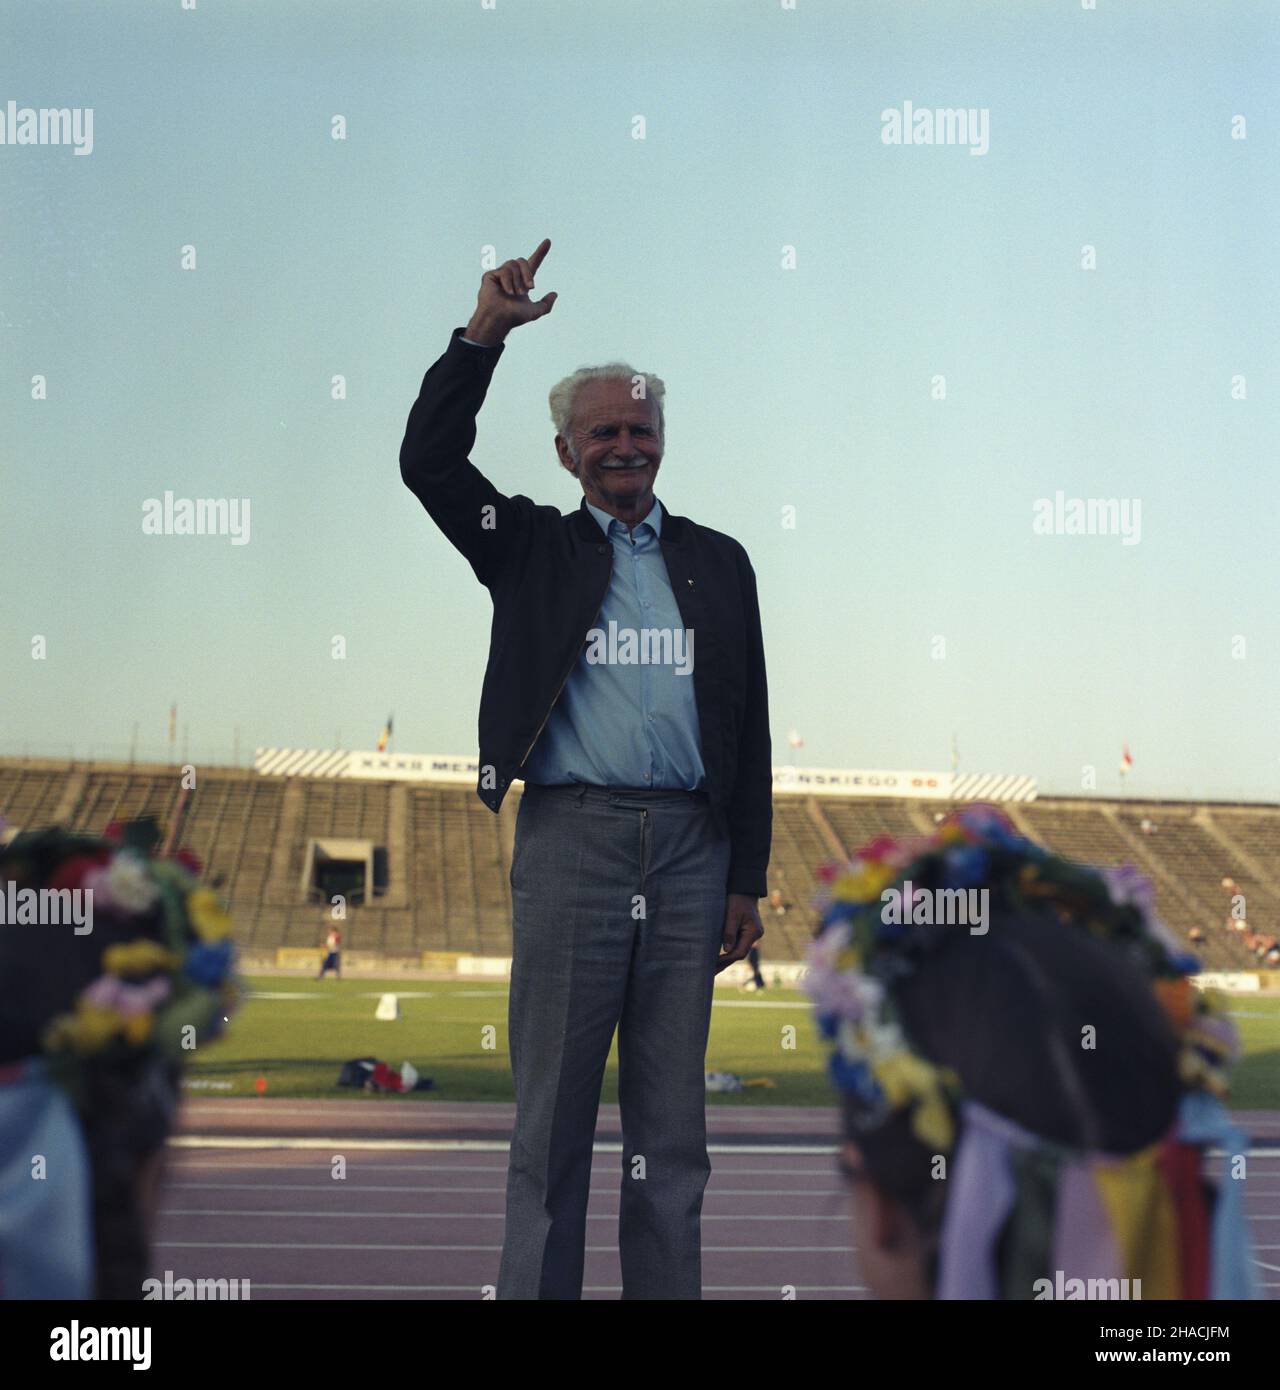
(616, 449)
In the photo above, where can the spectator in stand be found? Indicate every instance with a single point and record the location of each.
(775, 902)
(1196, 935)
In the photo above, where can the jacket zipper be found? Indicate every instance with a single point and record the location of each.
(569, 672)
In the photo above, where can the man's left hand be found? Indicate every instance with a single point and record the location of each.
(742, 929)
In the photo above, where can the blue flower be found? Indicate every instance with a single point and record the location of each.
(967, 866)
(208, 965)
(855, 1077)
(992, 826)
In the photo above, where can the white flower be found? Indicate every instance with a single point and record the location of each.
(127, 885)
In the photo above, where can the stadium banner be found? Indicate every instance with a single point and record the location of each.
(1233, 981)
(409, 767)
(805, 781)
(299, 957)
(934, 786)
(485, 966)
(440, 960)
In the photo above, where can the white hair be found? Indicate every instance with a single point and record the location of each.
(564, 392)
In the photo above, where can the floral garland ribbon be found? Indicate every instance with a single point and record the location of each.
(169, 989)
(166, 992)
(858, 954)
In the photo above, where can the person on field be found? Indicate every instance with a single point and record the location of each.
(333, 957)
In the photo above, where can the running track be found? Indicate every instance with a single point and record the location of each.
(250, 1195)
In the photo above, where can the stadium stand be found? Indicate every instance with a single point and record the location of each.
(447, 858)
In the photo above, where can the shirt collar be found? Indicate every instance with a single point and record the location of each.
(654, 519)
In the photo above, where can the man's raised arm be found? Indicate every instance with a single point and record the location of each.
(475, 517)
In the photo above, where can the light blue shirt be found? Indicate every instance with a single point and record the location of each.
(622, 720)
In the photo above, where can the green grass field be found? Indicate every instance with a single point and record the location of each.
(296, 1034)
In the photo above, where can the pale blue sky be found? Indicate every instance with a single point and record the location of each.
(807, 387)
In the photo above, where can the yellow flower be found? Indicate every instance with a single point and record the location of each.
(849, 959)
(137, 1029)
(902, 1076)
(207, 915)
(139, 957)
(932, 1124)
(864, 884)
(905, 1077)
(93, 1028)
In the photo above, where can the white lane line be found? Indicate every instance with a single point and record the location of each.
(226, 1141)
(418, 1111)
(496, 1249)
(342, 1186)
(610, 1217)
(472, 1216)
(592, 1288)
(182, 1163)
(313, 1215)
(598, 1189)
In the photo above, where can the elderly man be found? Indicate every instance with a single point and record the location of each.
(643, 832)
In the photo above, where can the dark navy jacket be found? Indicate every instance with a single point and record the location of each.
(548, 573)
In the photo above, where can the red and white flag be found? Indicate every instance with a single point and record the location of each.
(1126, 760)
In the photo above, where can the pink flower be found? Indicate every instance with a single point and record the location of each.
(141, 999)
(1129, 886)
(834, 989)
(112, 993)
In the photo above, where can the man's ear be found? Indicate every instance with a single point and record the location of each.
(566, 459)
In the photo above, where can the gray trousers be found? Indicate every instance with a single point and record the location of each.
(618, 909)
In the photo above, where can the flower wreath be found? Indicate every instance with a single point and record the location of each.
(857, 956)
(165, 992)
